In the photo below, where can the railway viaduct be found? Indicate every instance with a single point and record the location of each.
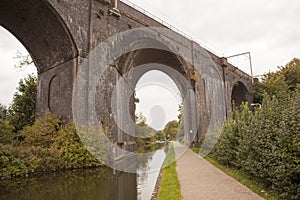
(61, 35)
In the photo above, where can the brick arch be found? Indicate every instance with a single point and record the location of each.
(40, 29)
(239, 93)
(155, 59)
(131, 66)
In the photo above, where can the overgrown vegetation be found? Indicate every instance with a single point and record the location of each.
(287, 78)
(169, 186)
(265, 144)
(30, 146)
(47, 145)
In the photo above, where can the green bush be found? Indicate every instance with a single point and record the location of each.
(43, 132)
(71, 149)
(6, 132)
(265, 144)
(47, 145)
(9, 164)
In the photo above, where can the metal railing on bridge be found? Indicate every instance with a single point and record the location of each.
(166, 24)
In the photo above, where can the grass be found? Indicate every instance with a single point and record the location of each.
(195, 149)
(243, 178)
(169, 185)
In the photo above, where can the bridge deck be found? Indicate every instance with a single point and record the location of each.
(201, 180)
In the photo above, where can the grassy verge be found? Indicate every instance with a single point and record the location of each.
(195, 149)
(243, 178)
(169, 186)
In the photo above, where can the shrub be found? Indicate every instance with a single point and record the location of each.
(6, 132)
(9, 164)
(47, 145)
(265, 144)
(43, 132)
(71, 149)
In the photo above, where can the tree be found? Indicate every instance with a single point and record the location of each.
(145, 135)
(23, 60)
(171, 129)
(291, 72)
(22, 110)
(274, 83)
(140, 119)
(3, 111)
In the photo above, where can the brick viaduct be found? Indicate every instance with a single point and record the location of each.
(60, 34)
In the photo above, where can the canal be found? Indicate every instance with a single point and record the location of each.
(101, 183)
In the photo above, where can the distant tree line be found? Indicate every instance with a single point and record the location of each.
(146, 135)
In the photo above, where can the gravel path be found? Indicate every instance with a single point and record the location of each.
(201, 180)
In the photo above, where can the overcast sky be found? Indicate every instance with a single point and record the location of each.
(10, 75)
(269, 29)
(159, 98)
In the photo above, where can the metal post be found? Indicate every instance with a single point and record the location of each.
(250, 61)
(114, 11)
(251, 66)
(116, 4)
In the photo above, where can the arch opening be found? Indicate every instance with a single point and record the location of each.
(48, 40)
(129, 69)
(16, 64)
(40, 29)
(156, 90)
(239, 94)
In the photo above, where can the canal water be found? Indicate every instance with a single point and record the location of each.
(101, 183)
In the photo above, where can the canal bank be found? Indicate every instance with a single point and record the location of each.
(169, 187)
(101, 183)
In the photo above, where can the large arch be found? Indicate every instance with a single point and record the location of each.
(130, 67)
(40, 29)
(105, 83)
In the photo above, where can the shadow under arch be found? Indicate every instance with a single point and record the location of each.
(40, 29)
(239, 94)
(155, 59)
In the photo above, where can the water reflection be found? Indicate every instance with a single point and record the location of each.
(147, 175)
(80, 184)
(100, 184)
